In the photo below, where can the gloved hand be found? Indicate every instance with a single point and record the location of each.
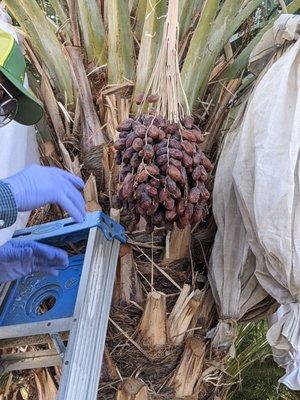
(36, 186)
(21, 258)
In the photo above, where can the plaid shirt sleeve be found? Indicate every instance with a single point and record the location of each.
(8, 207)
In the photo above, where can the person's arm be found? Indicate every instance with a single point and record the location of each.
(36, 186)
(21, 258)
(8, 206)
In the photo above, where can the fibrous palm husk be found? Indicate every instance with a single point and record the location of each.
(127, 286)
(186, 379)
(132, 389)
(152, 329)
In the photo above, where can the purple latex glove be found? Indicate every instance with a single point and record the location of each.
(37, 186)
(22, 258)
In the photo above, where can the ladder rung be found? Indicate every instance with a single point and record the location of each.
(29, 360)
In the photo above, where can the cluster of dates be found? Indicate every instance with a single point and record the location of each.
(163, 172)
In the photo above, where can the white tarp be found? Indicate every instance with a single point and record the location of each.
(18, 147)
(232, 264)
(289, 359)
(266, 176)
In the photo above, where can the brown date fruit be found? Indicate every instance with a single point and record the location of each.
(127, 168)
(205, 194)
(163, 195)
(140, 98)
(142, 176)
(206, 163)
(118, 158)
(199, 136)
(184, 178)
(151, 210)
(148, 140)
(145, 201)
(127, 187)
(123, 135)
(148, 120)
(161, 160)
(171, 215)
(159, 217)
(170, 204)
(152, 169)
(174, 144)
(171, 185)
(148, 152)
(197, 159)
(153, 98)
(162, 151)
(189, 136)
(120, 144)
(161, 135)
(140, 209)
(180, 207)
(198, 214)
(125, 125)
(177, 194)
(130, 138)
(176, 163)
(140, 189)
(160, 121)
(161, 144)
(188, 122)
(187, 160)
(135, 161)
(196, 175)
(174, 173)
(152, 191)
(153, 132)
(204, 174)
(163, 169)
(176, 136)
(138, 144)
(175, 154)
(189, 210)
(154, 182)
(140, 131)
(172, 128)
(188, 147)
(194, 195)
(128, 153)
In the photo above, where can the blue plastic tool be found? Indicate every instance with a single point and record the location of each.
(23, 301)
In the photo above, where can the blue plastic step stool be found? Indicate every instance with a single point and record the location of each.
(80, 299)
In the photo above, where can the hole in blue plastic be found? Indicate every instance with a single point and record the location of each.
(43, 300)
(46, 305)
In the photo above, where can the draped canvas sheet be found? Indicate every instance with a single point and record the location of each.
(18, 147)
(266, 177)
(232, 264)
(288, 358)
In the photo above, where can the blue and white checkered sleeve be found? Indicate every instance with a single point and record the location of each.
(8, 207)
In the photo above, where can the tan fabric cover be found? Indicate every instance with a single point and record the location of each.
(254, 195)
(266, 177)
(232, 264)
